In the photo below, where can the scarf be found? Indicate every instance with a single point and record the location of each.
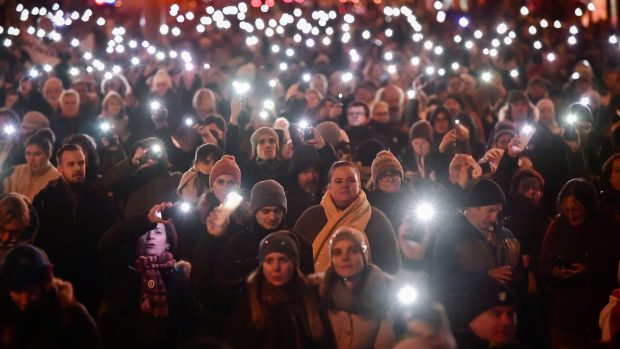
(153, 294)
(356, 215)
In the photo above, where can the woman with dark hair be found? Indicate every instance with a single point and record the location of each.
(30, 178)
(148, 301)
(19, 222)
(278, 308)
(356, 294)
(579, 264)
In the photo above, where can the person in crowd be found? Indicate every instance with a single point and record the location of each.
(491, 317)
(264, 162)
(142, 180)
(89, 147)
(19, 222)
(418, 161)
(38, 310)
(384, 131)
(308, 175)
(394, 96)
(387, 191)
(443, 122)
(278, 308)
(52, 90)
(365, 91)
(114, 130)
(357, 128)
(73, 216)
(345, 203)
(30, 178)
(518, 109)
(364, 156)
(11, 151)
(162, 90)
(68, 120)
(579, 264)
(356, 293)
(28, 97)
(31, 122)
(473, 245)
(610, 184)
(195, 182)
(148, 301)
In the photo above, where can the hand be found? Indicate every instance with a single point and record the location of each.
(318, 142)
(111, 146)
(236, 105)
(462, 133)
(515, 147)
(448, 139)
(136, 160)
(154, 214)
(213, 226)
(502, 274)
(493, 155)
(206, 135)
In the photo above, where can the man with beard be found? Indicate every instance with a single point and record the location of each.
(73, 216)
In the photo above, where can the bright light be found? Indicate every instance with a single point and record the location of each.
(155, 105)
(233, 199)
(591, 7)
(273, 83)
(514, 73)
(524, 11)
(613, 39)
(477, 34)
(105, 126)
(551, 57)
(455, 66)
(575, 76)
(532, 30)
(573, 30)
(306, 77)
(411, 94)
(502, 28)
(347, 77)
(537, 45)
(463, 22)
(156, 148)
(425, 212)
(544, 23)
(189, 121)
(9, 129)
(283, 66)
(584, 101)
(486, 76)
(572, 40)
(241, 87)
(527, 129)
(185, 207)
(391, 69)
(578, 12)
(557, 24)
(407, 295)
(304, 124)
(571, 118)
(415, 60)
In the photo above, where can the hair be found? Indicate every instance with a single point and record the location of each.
(70, 92)
(339, 164)
(50, 81)
(8, 113)
(200, 94)
(206, 151)
(312, 322)
(125, 88)
(65, 148)
(89, 147)
(360, 104)
(108, 97)
(13, 207)
(584, 192)
(375, 104)
(44, 138)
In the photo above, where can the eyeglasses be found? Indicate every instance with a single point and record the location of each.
(388, 175)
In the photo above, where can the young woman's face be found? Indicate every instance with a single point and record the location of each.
(441, 124)
(278, 269)
(573, 210)
(344, 186)
(153, 242)
(530, 188)
(347, 259)
(223, 185)
(114, 106)
(35, 157)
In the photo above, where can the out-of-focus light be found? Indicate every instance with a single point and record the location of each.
(391, 69)
(73, 71)
(584, 101)
(47, 68)
(572, 40)
(613, 39)
(407, 295)
(573, 30)
(411, 94)
(135, 61)
(543, 23)
(571, 119)
(441, 16)
(455, 66)
(524, 11)
(463, 22)
(438, 50)
(457, 38)
(557, 24)
(75, 42)
(283, 66)
(478, 34)
(100, 21)
(537, 45)
(428, 44)
(366, 35)
(551, 57)
(273, 83)
(430, 70)
(388, 56)
(289, 52)
(438, 5)
(514, 73)
(347, 77)
(532, 30)
(591, 7)
(389, 32)
(469, 45)
(578, 12)
(415, 60)
(486, 76)
(502, 28)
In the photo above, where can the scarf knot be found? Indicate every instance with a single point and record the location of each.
(153, 294)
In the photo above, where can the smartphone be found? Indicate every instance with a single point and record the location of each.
(148, 155)
(308, 133)
(526, 133)
(178, 210)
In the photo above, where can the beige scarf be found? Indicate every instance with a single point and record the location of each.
(356, 215)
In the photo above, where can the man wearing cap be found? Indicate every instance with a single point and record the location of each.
(474, 245)
(345, 204)
(38, 310)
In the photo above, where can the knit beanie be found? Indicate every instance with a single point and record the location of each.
(525, 173)
(421, 129)
(330, 131)
(517, 96)
(504, 127)
(267, 193)
(304, 157)
(351, 234)
(367, 151)
(35, 120)
(25, 266)
(485, 192)
(260, 132)
(384, 162)
(282, 241)
(225, 166)
(487, 294)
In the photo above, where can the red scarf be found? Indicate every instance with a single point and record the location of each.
(153, 294)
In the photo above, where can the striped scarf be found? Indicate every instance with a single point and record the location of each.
(153, 294)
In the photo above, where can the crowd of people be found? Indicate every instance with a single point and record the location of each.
(372, 190)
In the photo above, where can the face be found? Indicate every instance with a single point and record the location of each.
(518, 110)
(10, 231)
(483, 217)
(318, 83)
(347, 258)
(356, 116)
(35, 157)
(206, 104)
(325, 108)
(23, 299)
(614, 179)
(380, 113)
(389, 181)
(114, 106)
(266, 147)
(73, 167)
(312, 100)
(497, 325)
(52, 92)
(364, 95)
(421, 147)
(160, 88)
(452, 105)
(441, 124)
(26, 87)
(153, 242)
(206, 166)
(455, 85)
(223, 185)
(573, 210)
(308, 180)
(69, 105)
(503, 140)
(530, 188)
(546, 112)
(278, 269)
(269, 217)
(344, 186)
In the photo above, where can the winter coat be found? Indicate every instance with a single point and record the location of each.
(22, 180)
(56, 321)
(577, 301)
(255, 171)
(394, 205)
(298, 201)
(122, 323)
(463, 255)
(139, 191)
(360, 318)
(381, 236)
(192, 185)
(27, 236)
(389, 135)
(69, 232)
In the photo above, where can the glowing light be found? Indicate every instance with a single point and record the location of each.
(573, 30)
(537, 45)
(524, 11)
(455, 66)
(571, 118)
(502, 28)
(572, 40)
(463, 22)
(411, 94)
(415, 60)
(486, 76)
(514, 73)
(478, 34)
(613, 39)
(544, 23)
(347, 77)
(578, 12)
(557, 24)
(551, 57)
(532, 30)
(407, 295)
(584, 101)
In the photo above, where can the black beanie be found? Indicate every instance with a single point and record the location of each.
(282, 241)
(367, 151)
(267, 193)
(485, 192)
(304, 157)
(485, 294)
(25, 266)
